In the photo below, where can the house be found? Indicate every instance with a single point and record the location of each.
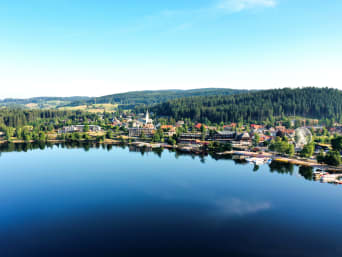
(170, 130)
(256, 127)
(242, 141)
(290, 132)
(333, 130)
(212, 128)
(280, 128)
(224, 136)
(230, 126)
(272, 132)
(166, 127)
(199, 126)
(244, 137)
(116, 122)
(179, 123)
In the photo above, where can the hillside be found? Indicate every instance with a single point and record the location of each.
(316, 103)
(41, 102)
(131, 99)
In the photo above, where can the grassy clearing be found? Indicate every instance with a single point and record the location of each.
(94, 108)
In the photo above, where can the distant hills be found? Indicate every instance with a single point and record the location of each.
(127, 100)
(318, 103)
(41, 102)
(209, 104)
(131, 99)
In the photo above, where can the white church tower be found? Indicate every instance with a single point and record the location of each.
(147, 119)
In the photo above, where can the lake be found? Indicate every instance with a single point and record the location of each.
(115, 201)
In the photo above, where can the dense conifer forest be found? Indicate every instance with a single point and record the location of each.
(17, 117)
(318, 103)
(157, 96)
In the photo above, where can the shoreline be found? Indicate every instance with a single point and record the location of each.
(282, 159)
(190, 150)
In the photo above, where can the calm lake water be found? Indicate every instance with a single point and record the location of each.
(115, 202)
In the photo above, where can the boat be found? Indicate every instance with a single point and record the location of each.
(258, 161)
(319, 173)
(329, 178)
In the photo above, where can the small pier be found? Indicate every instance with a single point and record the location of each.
(331, 178)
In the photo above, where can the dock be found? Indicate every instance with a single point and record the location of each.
(331, 178)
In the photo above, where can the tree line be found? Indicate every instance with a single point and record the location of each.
(144, 98)
(318, 103)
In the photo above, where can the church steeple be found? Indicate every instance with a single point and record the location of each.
(147, 119)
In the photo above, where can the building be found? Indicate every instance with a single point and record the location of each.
(191, 136)
(116, 122)
(280, 128)
(224, 136)
(138, 132)
(147, 118)
(179, 123)
(256, 127)
(199, 126)
(166, 127)
(231, 126)
(78, 128)
(149, 126)
(244, 137)
(143, 122)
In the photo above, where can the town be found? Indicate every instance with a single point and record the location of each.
(297, 141)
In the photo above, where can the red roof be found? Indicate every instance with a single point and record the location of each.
(232, 125)
(290, 131)
(255, 126)
(166, 126)
(199, 125)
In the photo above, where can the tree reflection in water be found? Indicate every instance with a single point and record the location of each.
(256, 168)
(282, 168)
(306, 172)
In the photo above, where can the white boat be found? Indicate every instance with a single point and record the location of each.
(258, 161)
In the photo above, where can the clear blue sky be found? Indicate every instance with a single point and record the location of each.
(83, 47)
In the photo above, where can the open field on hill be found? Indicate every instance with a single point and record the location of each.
(94, 108)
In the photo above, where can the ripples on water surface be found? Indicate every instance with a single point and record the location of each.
(116, 202)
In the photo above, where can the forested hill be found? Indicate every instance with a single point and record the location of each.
(41, 102)
(153, 97)
(316, 103)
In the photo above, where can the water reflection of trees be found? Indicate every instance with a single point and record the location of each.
(306, 172)
(221, 157)
(24, 147)
(158, 151)
(228, 157)
(282, 168)
(287, 168)
(256, 168)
